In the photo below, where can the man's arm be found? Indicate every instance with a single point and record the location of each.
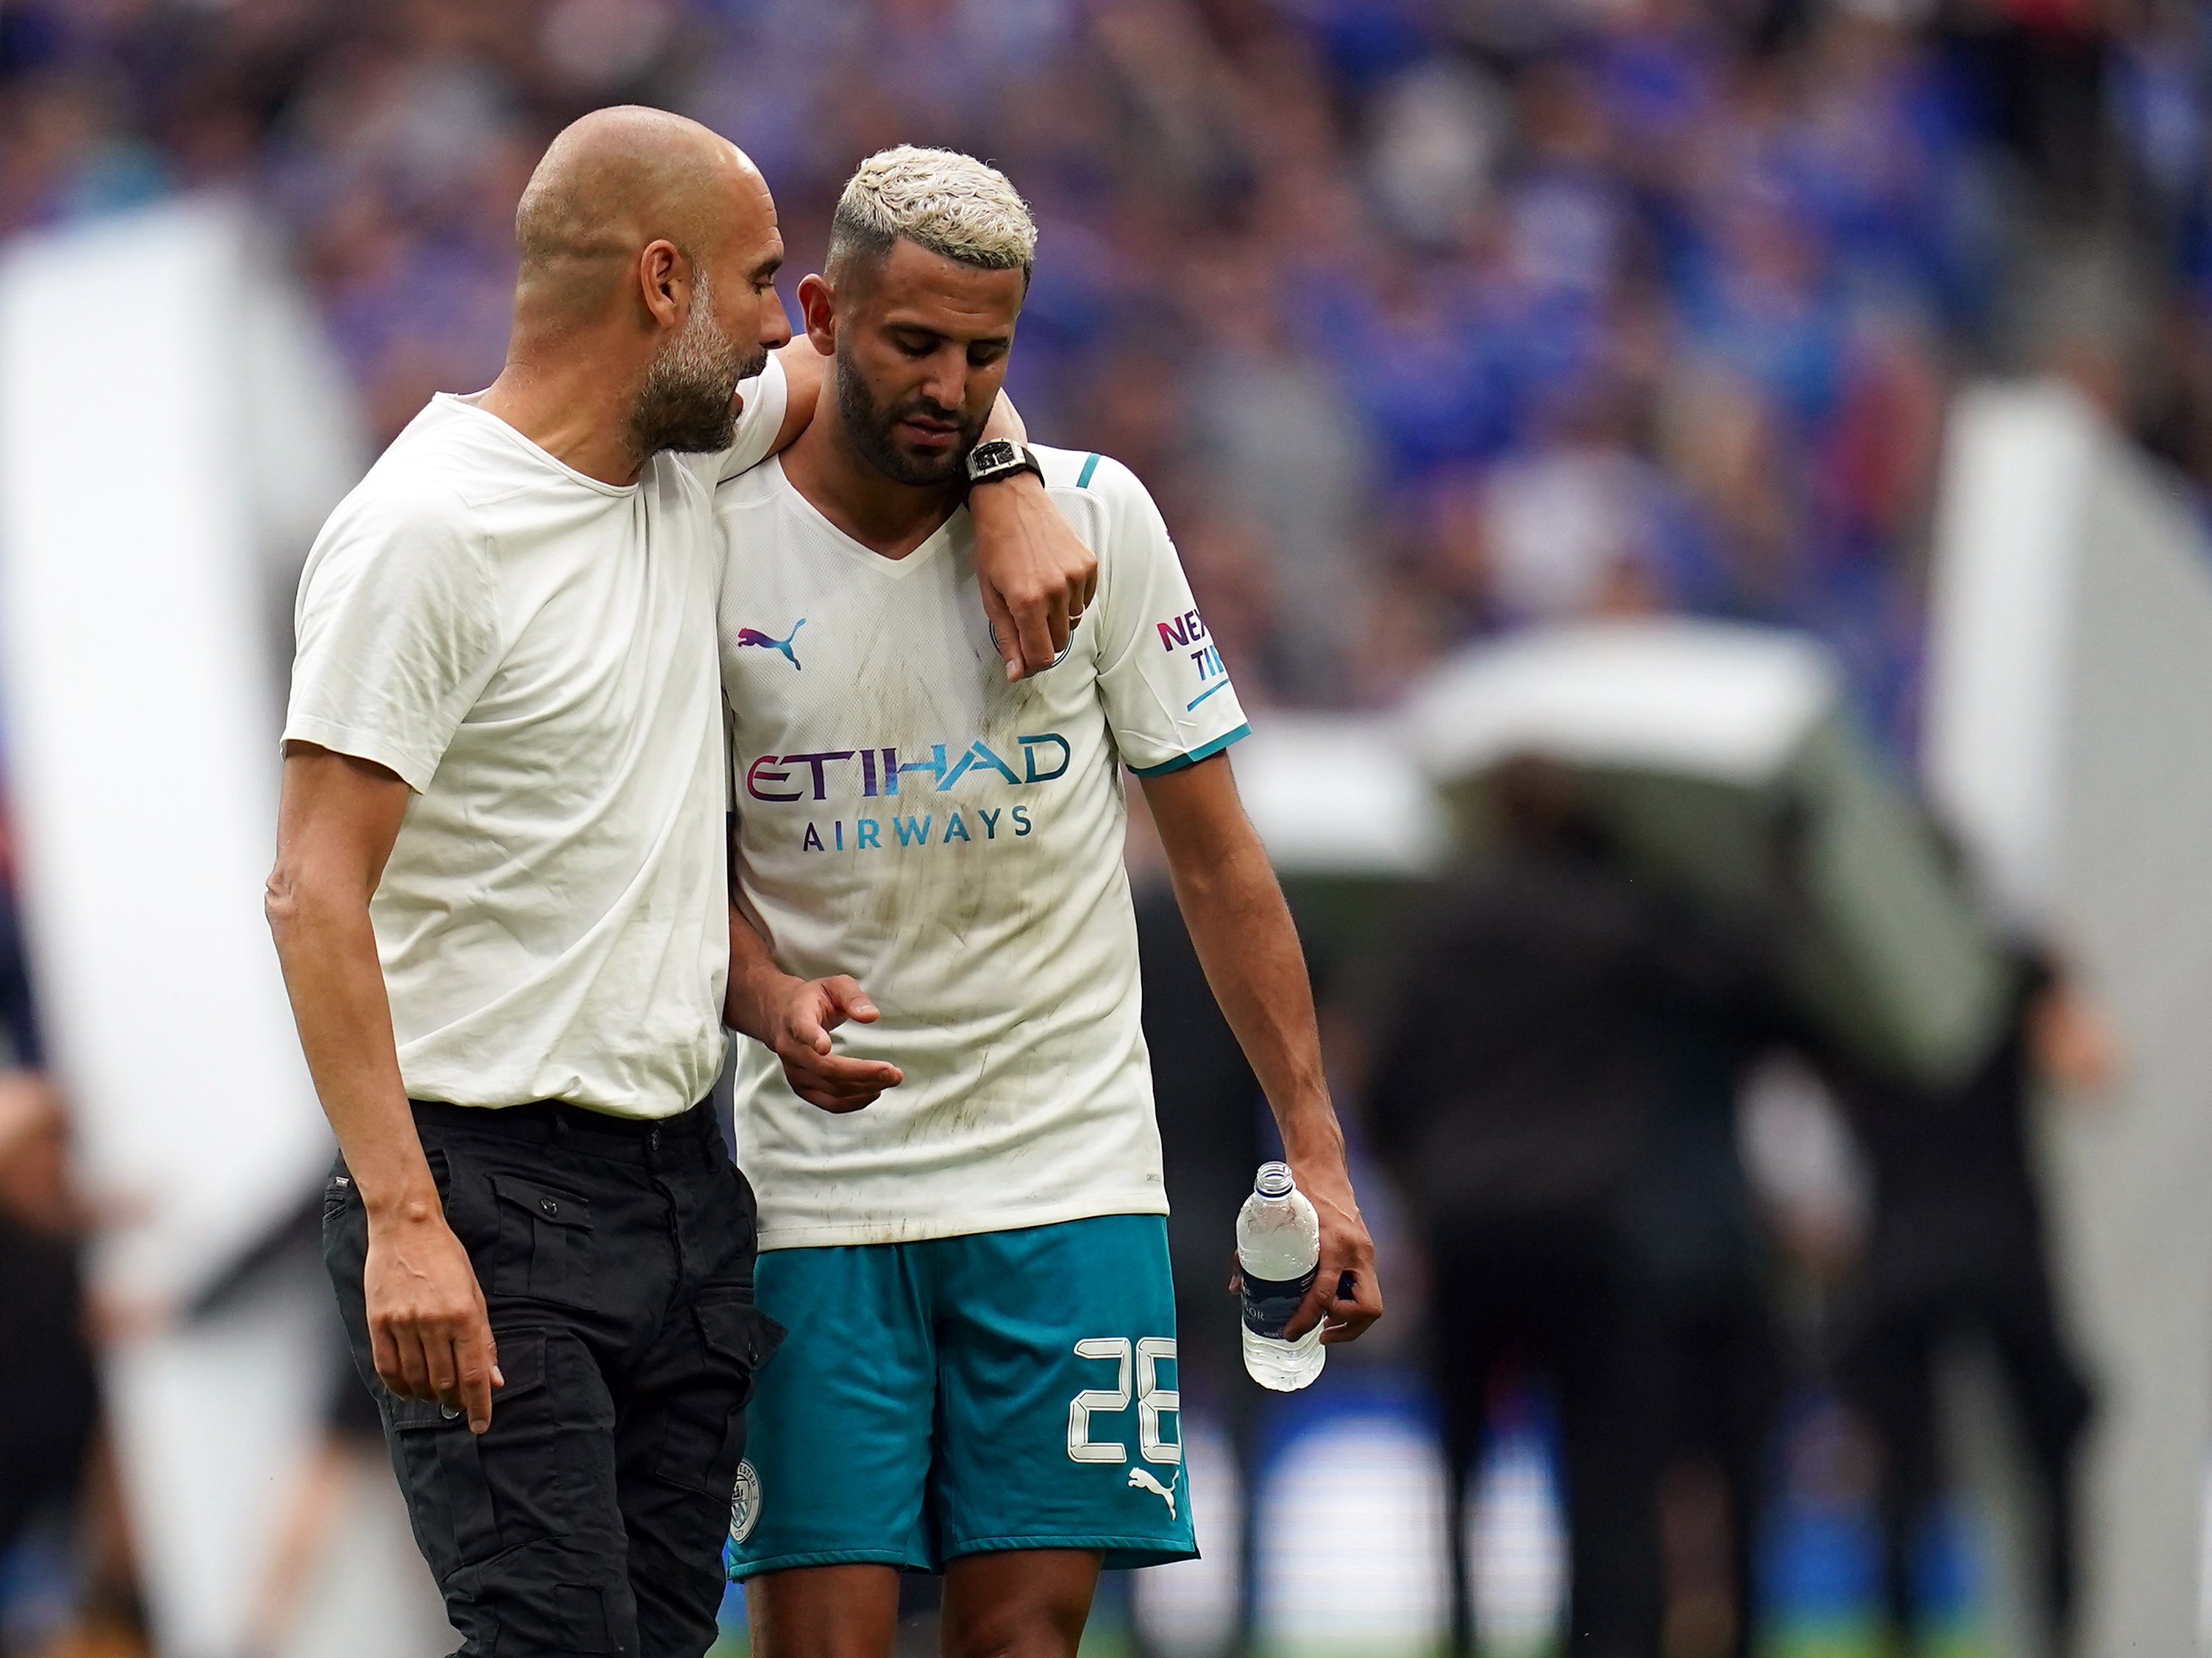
(802, 378)
(1037, 576)
(336, 822)
(1238, 919)
(793, 1018)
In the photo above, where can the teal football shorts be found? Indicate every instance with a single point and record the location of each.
(1004, 1390)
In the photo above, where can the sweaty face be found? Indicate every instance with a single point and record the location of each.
(687, 401)
(916, 440)
(920, 354)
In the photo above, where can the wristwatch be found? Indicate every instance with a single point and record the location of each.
(987, 463)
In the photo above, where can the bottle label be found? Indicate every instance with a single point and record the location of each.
(1270, 1303)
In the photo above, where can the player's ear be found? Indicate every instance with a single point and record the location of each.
(817, 307)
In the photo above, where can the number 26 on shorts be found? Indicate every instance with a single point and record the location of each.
(1153, 1401)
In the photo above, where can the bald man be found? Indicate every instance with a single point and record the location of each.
(499, 890)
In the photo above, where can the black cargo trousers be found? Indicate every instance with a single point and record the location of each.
(616, 1260)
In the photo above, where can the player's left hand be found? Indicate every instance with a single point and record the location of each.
(798, 1034)
(1345, 1290)
(1346, 1293)
(1037, 576)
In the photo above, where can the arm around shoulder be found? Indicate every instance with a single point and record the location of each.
(1037, 576)
(802, 378)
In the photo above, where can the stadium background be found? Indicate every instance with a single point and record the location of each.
(1430, 323)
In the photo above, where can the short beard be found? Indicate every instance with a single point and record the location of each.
(869, 426)
(686, 403)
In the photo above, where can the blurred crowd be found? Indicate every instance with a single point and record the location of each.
(1422, 317)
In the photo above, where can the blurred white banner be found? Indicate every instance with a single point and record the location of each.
(2070, 695)
(170, 427)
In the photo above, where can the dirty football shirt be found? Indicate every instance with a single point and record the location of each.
(954, 843)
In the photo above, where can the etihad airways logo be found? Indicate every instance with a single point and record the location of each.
(1042, 758)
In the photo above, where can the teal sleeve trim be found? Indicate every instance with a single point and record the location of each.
(1195, 756)
(1083, 477)
(1217, 686)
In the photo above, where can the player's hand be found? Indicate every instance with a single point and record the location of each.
(428, 1327)
(1345, 1291)
(799, 1032)
(1037, 576)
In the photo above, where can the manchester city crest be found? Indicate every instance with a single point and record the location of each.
(745, 1503)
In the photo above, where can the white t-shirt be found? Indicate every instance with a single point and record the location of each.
(954, 843)
(533, 652)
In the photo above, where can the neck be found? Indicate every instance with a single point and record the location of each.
(573, 408)
(882, 514)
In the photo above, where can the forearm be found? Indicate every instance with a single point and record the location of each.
(757, 985)
(1006, 422)
(793, 1018)
(1006, 511)
(429, 1331)
(1036, 574)
(1246, 943)
(328, 952)
(1248, 947)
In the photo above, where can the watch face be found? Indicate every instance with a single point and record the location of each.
(985, 457)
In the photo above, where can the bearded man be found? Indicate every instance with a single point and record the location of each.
(962, 1211)
(500, 900)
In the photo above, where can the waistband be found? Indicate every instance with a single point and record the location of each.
(556, 1122)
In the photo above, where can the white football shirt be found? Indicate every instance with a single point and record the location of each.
(533, 652)
(954, 843)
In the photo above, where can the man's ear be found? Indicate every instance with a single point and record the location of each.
(817, 308)
(664, 281)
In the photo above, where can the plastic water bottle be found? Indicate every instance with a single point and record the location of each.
(1278, 1250)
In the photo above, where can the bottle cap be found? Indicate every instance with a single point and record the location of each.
(1274, 1181)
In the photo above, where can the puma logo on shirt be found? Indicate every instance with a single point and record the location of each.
(751, 636)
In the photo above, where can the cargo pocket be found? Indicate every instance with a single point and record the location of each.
(705, 1439)
(544, 1249)
(337, 1192)
(463, 1494)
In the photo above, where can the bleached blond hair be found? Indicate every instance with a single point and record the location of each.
(939, 199)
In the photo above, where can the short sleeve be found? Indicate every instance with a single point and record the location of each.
(397, 629)
(1167, 692)
(766, 396)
